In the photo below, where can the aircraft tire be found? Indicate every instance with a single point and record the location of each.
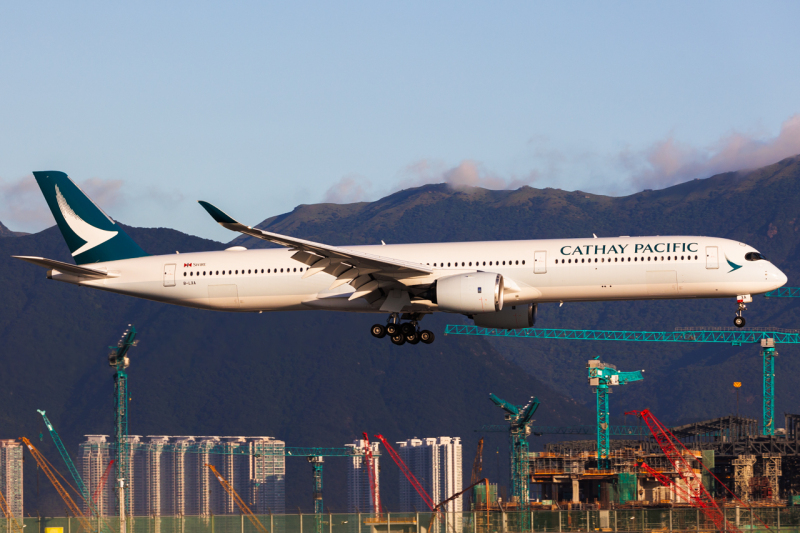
(739, 322)
(378, 331)
(426, 336)
(407, 328)
(398, 339)
(392, 329)
(412, 338)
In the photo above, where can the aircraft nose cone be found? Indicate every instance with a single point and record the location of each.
(778, 277)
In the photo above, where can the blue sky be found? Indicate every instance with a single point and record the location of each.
(258, 107)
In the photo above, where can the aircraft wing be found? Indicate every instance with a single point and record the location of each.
(66, 268)
(365, 272)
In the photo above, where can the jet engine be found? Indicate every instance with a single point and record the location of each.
(510, 317)
(478, 292)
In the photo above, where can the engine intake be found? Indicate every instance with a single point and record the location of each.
(479, 292)
(511, 317)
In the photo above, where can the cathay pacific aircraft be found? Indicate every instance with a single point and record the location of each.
(497, 284)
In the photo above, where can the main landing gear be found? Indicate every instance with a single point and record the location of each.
(401, 333)
(739, 320)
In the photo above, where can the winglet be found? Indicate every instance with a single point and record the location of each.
(217, 213)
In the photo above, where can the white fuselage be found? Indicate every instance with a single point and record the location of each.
(622, 268)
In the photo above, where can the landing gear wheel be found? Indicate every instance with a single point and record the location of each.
(392, 329)
(408, 328)
(412, 338)
(399, 339)
(378, 331)
(426, 336)
(739, 322)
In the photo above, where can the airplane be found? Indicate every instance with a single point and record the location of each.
(497, 284)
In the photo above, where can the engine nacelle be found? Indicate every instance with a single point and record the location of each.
(478, 292)
(511, 317)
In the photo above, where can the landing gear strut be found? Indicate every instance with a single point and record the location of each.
(739, 320)
(406, 332)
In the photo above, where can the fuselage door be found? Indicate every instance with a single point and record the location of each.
(712, 257)
(540, 262)
(169, 275)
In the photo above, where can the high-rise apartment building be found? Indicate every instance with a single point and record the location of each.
(11, 476)
(168, 476)
(95, 455)
(436, 463)
(359, 494)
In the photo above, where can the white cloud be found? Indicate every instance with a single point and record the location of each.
(468, 173)
(23, 208)
(669, 161)
(349, 189)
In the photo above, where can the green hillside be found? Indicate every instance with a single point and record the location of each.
(320, 379)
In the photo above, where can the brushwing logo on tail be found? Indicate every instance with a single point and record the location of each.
(93, 236)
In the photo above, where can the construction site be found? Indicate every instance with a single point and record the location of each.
(725, 474)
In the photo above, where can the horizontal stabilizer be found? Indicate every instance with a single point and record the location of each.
(65, 268)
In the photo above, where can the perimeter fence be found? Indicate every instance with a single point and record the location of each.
(785, 520)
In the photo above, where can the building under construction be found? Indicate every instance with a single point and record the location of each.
(729, 453)
(167, 475)
(11, 475)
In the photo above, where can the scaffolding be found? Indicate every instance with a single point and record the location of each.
(11, 475)
(743, 474)
(167, 476)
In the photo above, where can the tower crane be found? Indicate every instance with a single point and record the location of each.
(519, 418)
(119, 361)
(734, 336)
(233, 494)
(9, 515)
(44, 465)
(602, 376)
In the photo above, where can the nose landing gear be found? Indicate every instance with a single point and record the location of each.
(742, 299)
(401, 333)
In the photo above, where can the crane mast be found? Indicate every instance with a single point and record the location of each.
(602, 376)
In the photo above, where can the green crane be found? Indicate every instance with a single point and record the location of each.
(70, 466)
(768, 354)
(784, 292)
(768, 337)
(119, 361)
(601, 377)
(519, 418)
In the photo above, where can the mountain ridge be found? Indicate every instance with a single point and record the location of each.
(318, 378)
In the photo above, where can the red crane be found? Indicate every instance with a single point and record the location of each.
(667, 482)
(373, 490)
(102, 481)
(696, 492)
(409, 475)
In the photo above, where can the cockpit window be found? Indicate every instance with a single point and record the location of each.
(754, 256)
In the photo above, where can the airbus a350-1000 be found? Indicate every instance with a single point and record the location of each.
(498, 284)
